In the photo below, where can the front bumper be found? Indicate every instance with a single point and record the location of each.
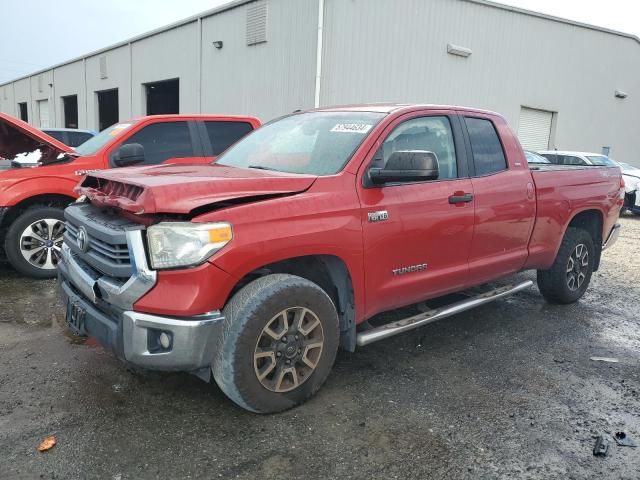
(134, 336)
(102, 307)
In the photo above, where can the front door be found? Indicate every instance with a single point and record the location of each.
(417, 236)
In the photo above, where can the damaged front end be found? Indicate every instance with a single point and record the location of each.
(184, 192)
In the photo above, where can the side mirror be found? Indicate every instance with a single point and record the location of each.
(407, 166)
(129, 154)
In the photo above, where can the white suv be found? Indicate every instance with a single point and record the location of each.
(577, 158)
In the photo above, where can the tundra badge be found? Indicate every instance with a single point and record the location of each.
(378, 216)
(410, 269)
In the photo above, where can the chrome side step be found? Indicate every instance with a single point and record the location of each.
(406, 324)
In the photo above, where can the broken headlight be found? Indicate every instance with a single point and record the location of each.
(184, 244)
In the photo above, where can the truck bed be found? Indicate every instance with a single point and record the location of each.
(561, 192)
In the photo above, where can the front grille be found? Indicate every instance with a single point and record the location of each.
(106, 250)
(117, 253)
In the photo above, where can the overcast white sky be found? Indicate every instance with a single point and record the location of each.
(39, 33)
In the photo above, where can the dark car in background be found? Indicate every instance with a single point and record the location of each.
(70, 136)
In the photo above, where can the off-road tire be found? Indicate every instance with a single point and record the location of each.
(12, 240)
(246, 315)
(553, 283)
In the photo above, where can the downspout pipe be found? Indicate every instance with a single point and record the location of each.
(316, 102)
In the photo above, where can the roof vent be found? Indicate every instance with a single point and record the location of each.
(103, 67)
(257, 22)
(621, 94)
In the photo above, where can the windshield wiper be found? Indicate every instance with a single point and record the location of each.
(262, 167)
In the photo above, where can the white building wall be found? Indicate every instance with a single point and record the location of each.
(69, 80)
(268, 79)
(41, 87)
(7, 99)
(396, 51)
(118, 75)
(22, 94)
(164, 56)
(374, 50)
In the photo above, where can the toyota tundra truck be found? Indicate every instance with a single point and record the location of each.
(253, 270)
(38, 173)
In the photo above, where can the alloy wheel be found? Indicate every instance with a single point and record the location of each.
(41, 243)
(577, 267)
(288, 349)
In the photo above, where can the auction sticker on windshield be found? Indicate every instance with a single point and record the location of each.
(352, 128)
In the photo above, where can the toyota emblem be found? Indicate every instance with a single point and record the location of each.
(83, 239)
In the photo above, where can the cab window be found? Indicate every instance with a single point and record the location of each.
(488, 156)
(430, 134)
(162, 141)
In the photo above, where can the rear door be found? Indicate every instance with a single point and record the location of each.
(504, 198)
(416, 241)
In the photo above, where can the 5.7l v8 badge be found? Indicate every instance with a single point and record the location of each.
(378, 216)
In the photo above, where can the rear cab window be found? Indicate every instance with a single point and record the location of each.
(488, 154)
(223, 134)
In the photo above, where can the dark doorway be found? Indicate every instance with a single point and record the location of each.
(70, 109)
(24, 113)
(163, 97)
(107, 108)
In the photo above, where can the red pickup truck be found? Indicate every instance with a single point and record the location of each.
(32, 199)
(254, 269)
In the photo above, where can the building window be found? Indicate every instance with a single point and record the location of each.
(23, 111)
(108, 112)
(70, 110)
(163, 97)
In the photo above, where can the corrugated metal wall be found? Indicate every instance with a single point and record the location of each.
(374, 50)
(265, 79)
(396, 50)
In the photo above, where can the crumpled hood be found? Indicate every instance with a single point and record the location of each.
(180, 189)
(17, 136)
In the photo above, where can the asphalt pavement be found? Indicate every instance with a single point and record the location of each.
(504, 391)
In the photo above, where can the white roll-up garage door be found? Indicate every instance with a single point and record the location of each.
(43, 113)
(534, 130)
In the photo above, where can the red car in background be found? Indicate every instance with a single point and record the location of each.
(38, 173)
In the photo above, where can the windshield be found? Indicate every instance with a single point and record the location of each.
(315, 143)
(601, 161)
(91, 146)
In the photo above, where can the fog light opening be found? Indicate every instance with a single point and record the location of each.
(165, 340)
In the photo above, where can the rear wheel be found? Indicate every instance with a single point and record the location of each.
(278, 344)
(34, 241)
(569, 276)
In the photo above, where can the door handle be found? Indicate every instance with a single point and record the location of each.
(464, 198)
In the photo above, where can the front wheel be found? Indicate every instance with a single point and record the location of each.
(278, 344)
(569, 276)
(34, 241)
